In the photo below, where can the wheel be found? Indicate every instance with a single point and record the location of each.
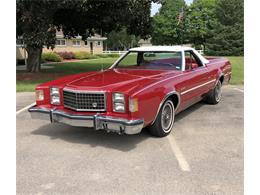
(214, 96)
(162, 125)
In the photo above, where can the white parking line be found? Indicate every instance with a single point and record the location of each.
(178, 154)
(238, 89)
(25, 108)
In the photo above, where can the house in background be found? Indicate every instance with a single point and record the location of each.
(93, 45)
(145, 42)
(21, 53)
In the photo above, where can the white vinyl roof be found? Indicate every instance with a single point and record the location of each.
(161, 48)
(169, 48)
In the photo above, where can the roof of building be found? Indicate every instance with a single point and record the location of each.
(96, 37)
(145, 41)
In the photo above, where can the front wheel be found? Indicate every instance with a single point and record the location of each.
(214, 96)
(162, 126)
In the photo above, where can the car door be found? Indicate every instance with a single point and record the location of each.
(194, 79)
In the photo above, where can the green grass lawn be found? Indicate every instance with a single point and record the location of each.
(237, 70)
(27, 81)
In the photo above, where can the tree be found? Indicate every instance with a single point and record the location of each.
(167, 28)
(121, 40)
(32, 25)
(199, 20)
(227, 36)
(37, 21)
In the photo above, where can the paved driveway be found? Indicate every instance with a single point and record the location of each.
(203, 156)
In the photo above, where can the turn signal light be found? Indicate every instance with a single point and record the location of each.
(39, 95)
(133, 105)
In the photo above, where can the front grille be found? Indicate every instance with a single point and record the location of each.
(84, 101)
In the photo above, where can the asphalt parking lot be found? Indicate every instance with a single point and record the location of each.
(203, 155)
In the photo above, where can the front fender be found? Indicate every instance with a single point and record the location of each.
(174, 94)
(151, 100)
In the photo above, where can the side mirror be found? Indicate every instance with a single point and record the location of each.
(193, 66)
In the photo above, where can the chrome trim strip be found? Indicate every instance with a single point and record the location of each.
(229, 73)
(97, 121)
(118, 60)
(82, 91)
(165, 98)
(220, 75)
(191, 89)
(88, 110)
(183, 61)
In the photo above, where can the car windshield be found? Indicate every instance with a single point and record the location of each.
(151, 60)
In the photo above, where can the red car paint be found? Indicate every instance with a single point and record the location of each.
(148, 86)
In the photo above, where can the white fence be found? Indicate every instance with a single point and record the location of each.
(114, 52)
(201, 52)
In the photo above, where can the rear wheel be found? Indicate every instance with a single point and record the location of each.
(162, 126)
(214, 96)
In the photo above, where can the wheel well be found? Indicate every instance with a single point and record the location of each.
(175, 100)
(221, 79)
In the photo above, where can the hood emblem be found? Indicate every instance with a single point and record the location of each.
(94, 105)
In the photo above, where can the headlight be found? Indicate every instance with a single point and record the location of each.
(55, 95)
(133, 104)
(118, 102)
(39, 95)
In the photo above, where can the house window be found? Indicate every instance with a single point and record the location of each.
(98, 43)
(76, 42)
(86, 43)
(60, 42)
(19, 42)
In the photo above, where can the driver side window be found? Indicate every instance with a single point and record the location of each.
(191, 61)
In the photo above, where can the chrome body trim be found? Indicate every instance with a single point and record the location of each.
(183, 61)
(229, 73)
(220, 75)
(87, 92)
(118, 125)
(82, 91)
(191, 89)
(165, 98)
(203, 60)
(118, 60)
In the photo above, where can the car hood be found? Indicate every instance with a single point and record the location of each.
(121, 80)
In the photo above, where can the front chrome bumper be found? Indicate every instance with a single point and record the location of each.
(97, 121)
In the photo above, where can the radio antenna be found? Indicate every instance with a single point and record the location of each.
(102, 68)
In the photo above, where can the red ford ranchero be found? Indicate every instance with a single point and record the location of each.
(145, 87)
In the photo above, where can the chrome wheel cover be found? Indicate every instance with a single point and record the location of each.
(218, 91)
(167, 116)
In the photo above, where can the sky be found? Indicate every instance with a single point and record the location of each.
(155, 7)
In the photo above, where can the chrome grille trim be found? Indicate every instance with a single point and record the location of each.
(80, 100)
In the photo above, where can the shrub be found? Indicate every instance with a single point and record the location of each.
(93, 57)
(51, 57)
(113, 55)
(82, 55)
(101, 55)
(66, 55)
